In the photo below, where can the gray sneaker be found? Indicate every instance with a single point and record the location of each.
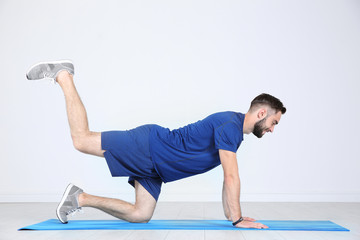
(49, 70)
(69, 203)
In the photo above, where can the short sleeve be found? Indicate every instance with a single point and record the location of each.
(228, 136)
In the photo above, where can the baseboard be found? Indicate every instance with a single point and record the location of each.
(273, 197)
(246, 197)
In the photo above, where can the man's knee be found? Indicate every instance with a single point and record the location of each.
(88, 142)
(141, 216)
(141, 220)
(79, 142)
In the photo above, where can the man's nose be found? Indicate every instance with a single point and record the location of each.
(272, 129)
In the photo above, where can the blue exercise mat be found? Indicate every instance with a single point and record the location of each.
(290, 225)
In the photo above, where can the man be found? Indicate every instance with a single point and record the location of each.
(151, 154)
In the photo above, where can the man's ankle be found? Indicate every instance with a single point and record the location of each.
(82, 199)
(63, 75)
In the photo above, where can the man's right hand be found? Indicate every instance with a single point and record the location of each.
(250, 224)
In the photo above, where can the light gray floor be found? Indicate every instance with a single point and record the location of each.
(17, 215)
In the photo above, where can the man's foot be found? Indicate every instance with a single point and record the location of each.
(69, 203)
(49, 70)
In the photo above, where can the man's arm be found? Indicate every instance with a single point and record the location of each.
(225, 204)
(231, 187)
(231, 191)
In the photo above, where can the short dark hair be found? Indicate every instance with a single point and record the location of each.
(271, 101)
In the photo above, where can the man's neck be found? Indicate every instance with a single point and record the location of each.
(248, 123)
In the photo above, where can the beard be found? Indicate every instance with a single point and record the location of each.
(259, 128)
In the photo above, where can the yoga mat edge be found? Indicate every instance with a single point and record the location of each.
(277, 225)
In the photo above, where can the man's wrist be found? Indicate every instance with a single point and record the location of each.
(238, 221)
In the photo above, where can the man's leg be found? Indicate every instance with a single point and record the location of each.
(83, 139)
(140, 212)
(89, 142)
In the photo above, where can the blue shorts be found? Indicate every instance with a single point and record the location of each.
(127, 153)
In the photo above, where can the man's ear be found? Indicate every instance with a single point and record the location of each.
(262, 113)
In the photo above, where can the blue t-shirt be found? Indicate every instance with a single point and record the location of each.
(194, 149)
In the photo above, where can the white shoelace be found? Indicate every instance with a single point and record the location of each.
(74, 211)
(48, 77)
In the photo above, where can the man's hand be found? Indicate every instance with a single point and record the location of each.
(249, 219)
(250, 223)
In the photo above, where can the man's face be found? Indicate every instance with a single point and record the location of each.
(267, 124)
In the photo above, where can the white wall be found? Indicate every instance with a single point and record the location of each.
(173, 63)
